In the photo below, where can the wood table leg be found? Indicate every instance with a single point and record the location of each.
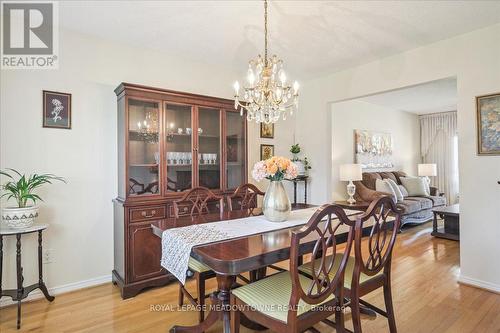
(212, 317)
(224, 284)
(41, 284)
(434, 224)
(294, 192)
(19, 270)
(219, 308)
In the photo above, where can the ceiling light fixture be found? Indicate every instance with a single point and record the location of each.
(267, 95)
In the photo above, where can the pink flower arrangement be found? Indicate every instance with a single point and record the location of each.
(275, 168)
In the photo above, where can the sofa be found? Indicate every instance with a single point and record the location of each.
(415, 209)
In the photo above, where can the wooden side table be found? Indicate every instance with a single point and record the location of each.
(451, 217)
(358, 205)
(295, 181)
(22, 292)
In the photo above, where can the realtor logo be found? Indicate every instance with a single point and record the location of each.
(29, 35)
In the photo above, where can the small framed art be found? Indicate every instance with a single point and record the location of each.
(267, 131)
(488, 124)
(56, 109)
(266, 151)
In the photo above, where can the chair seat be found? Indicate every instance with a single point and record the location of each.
(271, 295)
(307, 269)
(197, 266)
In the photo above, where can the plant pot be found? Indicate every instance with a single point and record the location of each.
(19, 218)
(301, 168)
(276, 206)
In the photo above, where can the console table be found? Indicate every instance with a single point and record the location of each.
(22, 292)
(295, 181)
(451, 216)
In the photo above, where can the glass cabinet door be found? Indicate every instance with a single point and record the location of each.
(143, 147)
(209, 141)
(179, 143)
(235, 150)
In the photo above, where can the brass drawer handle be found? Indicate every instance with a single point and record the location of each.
(144, 214)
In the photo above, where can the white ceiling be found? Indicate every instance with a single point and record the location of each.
(430, 97)
(313, 37)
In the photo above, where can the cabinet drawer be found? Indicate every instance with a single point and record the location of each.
(147, 213)
(184, 210)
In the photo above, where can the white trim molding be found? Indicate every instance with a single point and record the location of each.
(61, 289)
(488, 286)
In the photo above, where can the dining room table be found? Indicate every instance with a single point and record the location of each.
(250, 252)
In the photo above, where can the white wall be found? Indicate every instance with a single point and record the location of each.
(282, 141)
(80, 212)
(474, 58)
(355, 114)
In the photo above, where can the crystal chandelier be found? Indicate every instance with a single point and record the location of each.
(267, 96)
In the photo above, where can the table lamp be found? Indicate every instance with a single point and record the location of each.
(427, 170)
(350, 173)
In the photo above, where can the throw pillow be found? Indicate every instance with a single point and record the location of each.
(383, 186)
(395, 188)
(403, 191)
(414, 186)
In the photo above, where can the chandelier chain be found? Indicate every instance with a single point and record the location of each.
(265, 32)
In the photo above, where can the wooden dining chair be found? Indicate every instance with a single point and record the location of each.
(370, 268)
(290, 301)
(244, 197)
(373, 258)
(195, 202)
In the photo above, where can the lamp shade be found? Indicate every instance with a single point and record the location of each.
(350, 172)
(429, 170)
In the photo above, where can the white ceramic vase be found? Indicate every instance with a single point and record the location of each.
(19, 218)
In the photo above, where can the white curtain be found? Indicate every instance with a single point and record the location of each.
(439, 145)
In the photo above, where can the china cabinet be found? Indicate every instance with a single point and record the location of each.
(168, 142)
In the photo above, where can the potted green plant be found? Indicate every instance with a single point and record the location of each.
(21, 188)
(302, 165)
(295, 150)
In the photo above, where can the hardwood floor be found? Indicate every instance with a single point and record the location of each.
(427, 298)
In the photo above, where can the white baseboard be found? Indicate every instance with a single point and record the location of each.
(479, 284)
(60, 289)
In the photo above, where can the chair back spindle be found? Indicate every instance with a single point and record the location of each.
(375, 254)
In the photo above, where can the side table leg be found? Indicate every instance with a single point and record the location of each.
(294, 192)
(41, 284)
(305, 191)
(434, 224)
(19, 270)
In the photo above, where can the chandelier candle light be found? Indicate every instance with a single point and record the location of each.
(267, 95)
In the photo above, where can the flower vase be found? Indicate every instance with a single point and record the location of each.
(276, 205)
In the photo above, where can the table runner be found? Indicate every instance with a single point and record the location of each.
(177, 243)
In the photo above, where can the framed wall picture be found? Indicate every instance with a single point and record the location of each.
(488, 124)
(373, 149)
(267, 131)
(56, 109)
(266, 151)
